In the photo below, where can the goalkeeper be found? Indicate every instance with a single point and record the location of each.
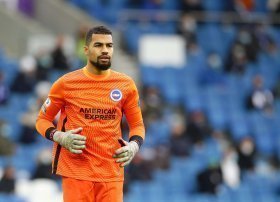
(89, 152)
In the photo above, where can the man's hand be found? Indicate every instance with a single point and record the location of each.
(71, 140)
(126, 153)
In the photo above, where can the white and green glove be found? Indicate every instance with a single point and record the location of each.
(71, 140)
(126, 153)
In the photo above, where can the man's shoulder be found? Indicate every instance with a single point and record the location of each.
(73, 75)
(121, 76)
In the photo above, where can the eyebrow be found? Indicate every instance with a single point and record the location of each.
(103, 43)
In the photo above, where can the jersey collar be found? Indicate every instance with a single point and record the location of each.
(96, 77)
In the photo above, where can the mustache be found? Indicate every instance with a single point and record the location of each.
(104, 57)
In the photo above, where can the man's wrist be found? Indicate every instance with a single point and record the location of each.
(55, 135)
(138, 139)
(50, 133)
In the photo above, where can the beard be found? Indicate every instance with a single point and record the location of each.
(100, 66)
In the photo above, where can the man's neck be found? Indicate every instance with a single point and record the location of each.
(93, 70)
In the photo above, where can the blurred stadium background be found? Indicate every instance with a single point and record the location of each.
(208, 73)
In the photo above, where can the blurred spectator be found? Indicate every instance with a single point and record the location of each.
(273, 6)
(249, 40)
(198, 128)
(276, 89)
(244, 49)
(163, 157)
(222, 138)
(191, 5)
(158, 125)
(80, 43)
(273, 51)
(260, 97)
(262, 36)
(59, 60)
(152, 104)
(140, 169)
(28, 119)
(187, 28)
(44, 61)
(246, 154)
(208, 180)
(44, 165)
(8, 180)
(146, 159)
(7, 147)
(179, 143)
(195, 54)
(237, 60)
(4, 90)
(230, 168)
(25, 80)
(212, 74)
(158, 146)
(142, 166)
(271, 57)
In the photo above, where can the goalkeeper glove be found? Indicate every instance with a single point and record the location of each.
(126, 153)
(71, 140)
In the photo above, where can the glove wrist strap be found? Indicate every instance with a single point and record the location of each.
(50, 133)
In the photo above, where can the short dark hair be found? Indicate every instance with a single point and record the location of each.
(97, 30)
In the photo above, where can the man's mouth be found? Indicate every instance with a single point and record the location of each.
(104, 58)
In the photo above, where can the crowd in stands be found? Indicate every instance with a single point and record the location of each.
(25, 85)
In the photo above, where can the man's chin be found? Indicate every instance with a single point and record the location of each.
(102, 67)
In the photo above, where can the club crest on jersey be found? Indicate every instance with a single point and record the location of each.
(116, 95)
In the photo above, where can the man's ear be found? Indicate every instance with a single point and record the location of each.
(86, 50)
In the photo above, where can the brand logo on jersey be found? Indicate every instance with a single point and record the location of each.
(99, 114)
(46, 104)
(116, 95)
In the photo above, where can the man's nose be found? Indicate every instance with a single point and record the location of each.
(104, 50)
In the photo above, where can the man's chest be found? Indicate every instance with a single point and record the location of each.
(96, 98)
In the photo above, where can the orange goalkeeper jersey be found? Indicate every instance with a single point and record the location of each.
(96, 103)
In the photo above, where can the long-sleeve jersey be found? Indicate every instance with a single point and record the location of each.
(97, 104)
